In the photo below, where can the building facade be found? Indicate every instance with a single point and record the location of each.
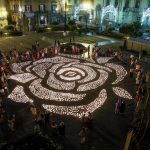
(28, 14)
(3, 13)
(123, 11)
(115, 11)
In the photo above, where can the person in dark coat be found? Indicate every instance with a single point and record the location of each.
(47, 118)
(62, 129)
(122, 107)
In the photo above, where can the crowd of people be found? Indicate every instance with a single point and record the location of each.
(142, 78)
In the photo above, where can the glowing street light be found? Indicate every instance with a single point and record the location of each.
(87, 5)
(3, 13)
(21, 18)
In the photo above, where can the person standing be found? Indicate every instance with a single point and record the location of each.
(131, 72)
(62, 129)
(37, 44)
(122, 107)
(82, 135)
(88, 51)
(117, 106)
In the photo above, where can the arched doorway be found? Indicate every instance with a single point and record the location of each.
(146, 17)
(83, 8)
(109, 14)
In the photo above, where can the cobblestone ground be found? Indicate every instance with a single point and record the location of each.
(108, 131)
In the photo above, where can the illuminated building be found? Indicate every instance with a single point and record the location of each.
(115, 11)
(33, 13)
(3, 14)
(30, 14)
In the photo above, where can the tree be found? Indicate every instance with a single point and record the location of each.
(133, 29)
(85, 16)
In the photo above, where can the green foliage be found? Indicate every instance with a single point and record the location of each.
(12, 33)
(16, 33)
(85, 16)
(40, 29)
(132, 29)
(55, 23)
(72, 28)
(80, 26)
(72, 23)
(10, 27)
(112, 34)
(60, 28)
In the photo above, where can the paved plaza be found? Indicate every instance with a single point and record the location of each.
(70, 86)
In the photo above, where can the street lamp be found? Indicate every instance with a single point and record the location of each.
(21, 18)
(65, 14)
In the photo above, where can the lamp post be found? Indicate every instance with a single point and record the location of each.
(65, 14)
(21, 19)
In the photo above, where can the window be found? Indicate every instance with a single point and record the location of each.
(107, 2)
(75, 1)
(116, 3)
(16, 8)
(28, 8)
(54, 8)
(41, 8)
(138, 18)
(43, 20)
(149, 3)
(137, 4)
(126, 6)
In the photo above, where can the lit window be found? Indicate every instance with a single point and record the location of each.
(16, 7)
(43, 20)
(28, 8)
(42, 8)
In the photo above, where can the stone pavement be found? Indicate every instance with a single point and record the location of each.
(108, 132)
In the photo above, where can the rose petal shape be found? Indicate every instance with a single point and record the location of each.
(38, 90)
(39, 69)
(59, 85)
(120, 72)
(17, 67)
(23, 78)
(122, 93)
(18, 95)
(57, 59)
(70, 55)
(102, 60)
(91, 74)
(64, 73)
(70, 64)
(62, 70)
(97, 66)
(55, 67)
(29, 67)
(93, 85)
(78, 111)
